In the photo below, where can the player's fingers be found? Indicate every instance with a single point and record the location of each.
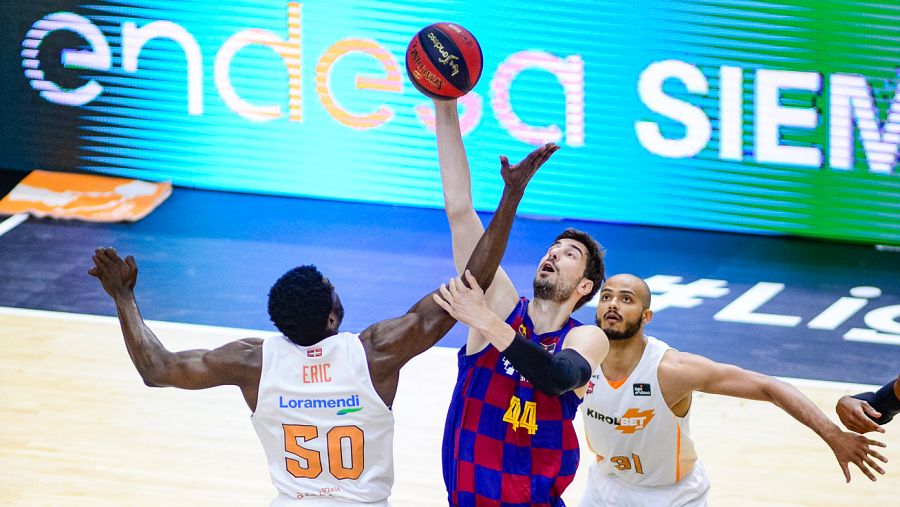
(546, 152)
(454, 287)
(846, 471)
(443, 304)
(862, 424)
(873, 465)
(545, 156)
(473, 283)
(876, 443)
(877, 455)
(445, 293)
(504, 161)
(868, 425)
(92, 271)
(866, 471)
(870, 410)
(110, 255)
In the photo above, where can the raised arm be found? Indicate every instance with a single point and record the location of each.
(465, 226)
(680, 373)
(391, 343)
(236, 363)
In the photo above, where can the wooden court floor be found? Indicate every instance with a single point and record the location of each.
(78, 427)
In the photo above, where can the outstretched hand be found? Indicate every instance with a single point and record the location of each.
(857, 449)
(517, 176)
(116, 275)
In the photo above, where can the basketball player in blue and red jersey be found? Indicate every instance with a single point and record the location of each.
(509, 439)
(304, 387)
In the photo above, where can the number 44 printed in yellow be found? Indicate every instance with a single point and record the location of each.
(520, 417)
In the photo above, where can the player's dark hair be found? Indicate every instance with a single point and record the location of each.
(594, 268)
(300, 303)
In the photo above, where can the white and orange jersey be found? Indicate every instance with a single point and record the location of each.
(634, 434)
(327, 435)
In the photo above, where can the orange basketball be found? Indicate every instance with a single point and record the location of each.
(444, 61)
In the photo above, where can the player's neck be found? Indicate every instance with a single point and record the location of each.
(623, 356)
(548, 316)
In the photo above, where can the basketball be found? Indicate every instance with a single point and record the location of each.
(444, 61)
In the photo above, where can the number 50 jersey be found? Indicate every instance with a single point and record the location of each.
(326, 433)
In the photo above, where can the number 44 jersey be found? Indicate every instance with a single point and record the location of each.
(327, 435)
(507, 444)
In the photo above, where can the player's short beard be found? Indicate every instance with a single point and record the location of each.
(556, 292)
(631, 328)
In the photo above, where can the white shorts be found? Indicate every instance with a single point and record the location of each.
(609, 491)
(287, 501)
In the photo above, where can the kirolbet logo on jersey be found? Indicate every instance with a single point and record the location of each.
(632, 421)
(347, 405)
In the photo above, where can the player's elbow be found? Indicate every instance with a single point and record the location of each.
(568, 370)
(460, 213)
(157, 373)
(154, 377)
(772, 389)
(151, 378)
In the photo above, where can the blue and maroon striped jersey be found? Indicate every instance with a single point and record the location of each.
(506, 444)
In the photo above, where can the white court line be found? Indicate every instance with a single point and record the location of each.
(9, 223)
(160, 325)
(157, 324)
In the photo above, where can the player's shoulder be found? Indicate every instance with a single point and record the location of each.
(683, 367)
(241, 359)
(244, 345)
(242, 352)
(673, 358)
(589, 340)
(587, 331)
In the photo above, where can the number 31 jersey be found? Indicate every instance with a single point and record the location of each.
(326, 433)
(631, 429)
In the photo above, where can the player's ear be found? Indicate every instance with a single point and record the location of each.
(584, 288)
(646, 316)
(333, 322)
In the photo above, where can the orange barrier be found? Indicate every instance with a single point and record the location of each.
(84, 197)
